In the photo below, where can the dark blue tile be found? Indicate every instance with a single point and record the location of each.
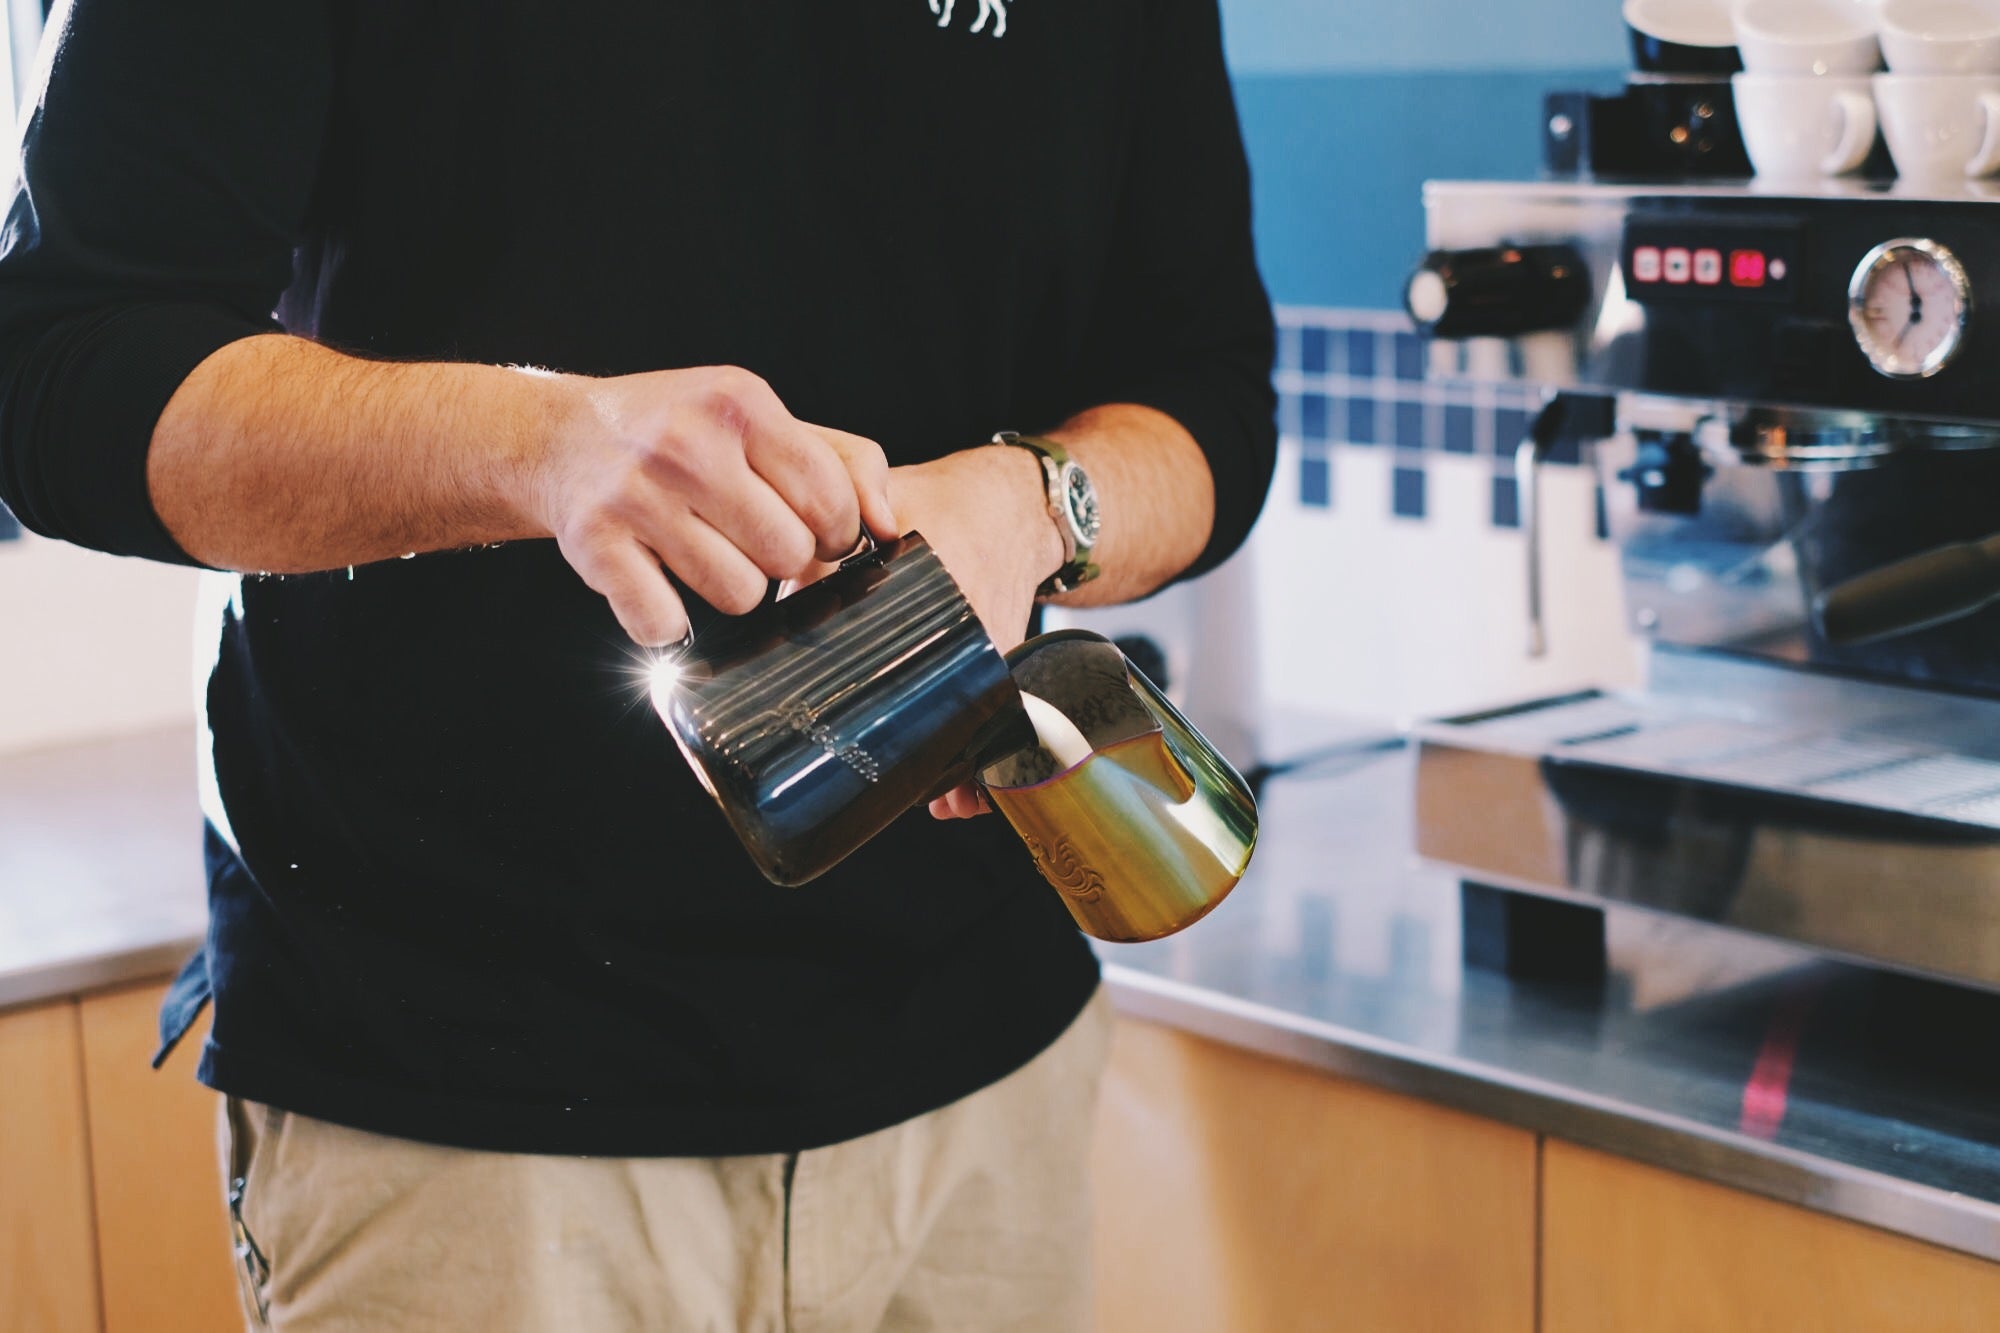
(1407, 499)
(1409, 356)
(1458, 429)
(9, 529)
(1315, 481)
(1567, 450)
(1361, 421)
(1506, 503)
(1314, 418)
(1509, 425)
(1410, 425)
(1361, 353)
(1315, 350)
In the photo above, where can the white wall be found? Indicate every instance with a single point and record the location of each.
(1346, 616)
(90, 644)
(1365, 613)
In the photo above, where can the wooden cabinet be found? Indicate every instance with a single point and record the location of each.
(111, 1212)
(1234, 1193)
(162, 1227)
(1641, 1250)
(1244, 1194)
(48, 1265)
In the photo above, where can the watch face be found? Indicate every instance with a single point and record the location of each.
(1080, 499)
(1909, 303)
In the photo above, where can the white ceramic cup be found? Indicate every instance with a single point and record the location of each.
(1802, 126)
(1687, 22)
(1940, 127)
(1818, 37)
(1941, 36)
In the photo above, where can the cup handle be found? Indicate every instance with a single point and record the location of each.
(1857, 134)
(1987, 160)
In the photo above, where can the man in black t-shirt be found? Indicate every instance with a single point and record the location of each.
(568, 299)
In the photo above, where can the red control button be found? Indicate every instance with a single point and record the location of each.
(1646, 264)
(1676, 265)
(1708, 267)
(1746, 268)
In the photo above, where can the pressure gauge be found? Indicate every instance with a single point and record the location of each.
(1909, 303)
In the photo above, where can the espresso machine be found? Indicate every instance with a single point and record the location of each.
(1793, 401)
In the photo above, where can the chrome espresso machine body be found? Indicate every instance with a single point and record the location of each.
(1793, 400)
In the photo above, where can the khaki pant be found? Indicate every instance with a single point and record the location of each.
(973, 1217)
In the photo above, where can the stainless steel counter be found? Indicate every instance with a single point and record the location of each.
(1865, 1095)
(100, 864)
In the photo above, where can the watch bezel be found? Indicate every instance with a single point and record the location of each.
(1086, 529)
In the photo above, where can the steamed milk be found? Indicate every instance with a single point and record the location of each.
(1057, 734)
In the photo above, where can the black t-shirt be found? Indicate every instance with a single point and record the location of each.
(463, 887)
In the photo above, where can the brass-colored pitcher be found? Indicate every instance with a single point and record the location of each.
(1149, 831)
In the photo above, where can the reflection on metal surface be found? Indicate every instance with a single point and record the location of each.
(1145, 836)
(818, 719)
(1856, 818)
(1342, 952)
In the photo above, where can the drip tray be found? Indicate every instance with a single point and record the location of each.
(1708, 744)
(1859, 819)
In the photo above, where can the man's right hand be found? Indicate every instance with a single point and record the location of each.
(703, 472)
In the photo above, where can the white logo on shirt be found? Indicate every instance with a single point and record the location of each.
(996, 10)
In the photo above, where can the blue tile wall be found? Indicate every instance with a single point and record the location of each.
(1410, 424)
(9, 528)
(1313, 418)
(1506, 502)
(1458, 438)
(1315, 481)
(1350, 378)
(1315, 349)
(1407, 494)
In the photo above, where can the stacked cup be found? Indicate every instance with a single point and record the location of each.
(1940, 101)
(1803, 100)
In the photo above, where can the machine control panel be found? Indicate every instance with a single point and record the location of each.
(1671, 258)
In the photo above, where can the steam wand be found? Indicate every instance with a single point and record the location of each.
(1562, 413)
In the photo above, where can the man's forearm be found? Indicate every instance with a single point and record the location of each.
(1154, 492)
(280, 455)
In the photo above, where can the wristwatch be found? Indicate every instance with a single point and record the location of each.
(1072, 504)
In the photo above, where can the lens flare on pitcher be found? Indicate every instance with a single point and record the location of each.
(662, 678)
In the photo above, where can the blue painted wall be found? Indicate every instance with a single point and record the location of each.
(1348, 107)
